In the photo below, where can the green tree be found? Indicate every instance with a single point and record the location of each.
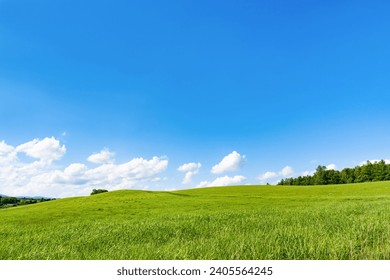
(347, 176)
(379, 171)
(96, 191)
(333, 176)
(9, 200)
(320, 175)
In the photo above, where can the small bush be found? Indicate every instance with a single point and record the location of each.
(96, 191)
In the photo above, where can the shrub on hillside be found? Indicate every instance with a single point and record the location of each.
(96, 191)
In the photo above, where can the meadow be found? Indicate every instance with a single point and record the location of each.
(243, 222)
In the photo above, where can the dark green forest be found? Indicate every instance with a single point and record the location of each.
(369, 172)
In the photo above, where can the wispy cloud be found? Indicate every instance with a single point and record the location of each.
(223, 181)
(104, 156)
(191, 169)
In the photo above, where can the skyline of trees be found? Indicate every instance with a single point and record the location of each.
(368, 172)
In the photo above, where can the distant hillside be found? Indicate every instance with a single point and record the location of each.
(28, 197)
(9, 201)
(36, 197)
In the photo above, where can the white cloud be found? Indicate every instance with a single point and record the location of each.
(223, 181)
(331, 166)
(112, 175)
(104, 156)
(42, 177)
(191, 166)
(188, 176)
(191, 169)
(75, 169)
(109, 176)
(5, 149)
(46, 150)
(268, 175)
(7, 153)
(231, 162)
(285, 172)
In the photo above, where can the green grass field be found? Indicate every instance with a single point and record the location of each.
(244, 222)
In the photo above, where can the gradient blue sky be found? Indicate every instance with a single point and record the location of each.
(283, 83)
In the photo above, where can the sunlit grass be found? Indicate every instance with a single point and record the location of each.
(245, 222)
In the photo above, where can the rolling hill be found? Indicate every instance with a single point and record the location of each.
(243, 222)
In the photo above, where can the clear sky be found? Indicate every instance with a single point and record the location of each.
(165, 95)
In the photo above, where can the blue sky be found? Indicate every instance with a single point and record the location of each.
(160, 84)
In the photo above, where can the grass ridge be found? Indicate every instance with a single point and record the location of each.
(241, 222)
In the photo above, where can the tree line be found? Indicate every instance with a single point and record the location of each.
(369, 172)
(7, 201)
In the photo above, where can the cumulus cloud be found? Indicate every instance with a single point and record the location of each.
(189, 166)
(268, 175)
(231, 162)
(46, 150)
(104, 156)
(191, 169)
(285, 172)
(5, 149)
(7, 153)
(223, 181)
(112, 176)
(331, 166)
(42, 177)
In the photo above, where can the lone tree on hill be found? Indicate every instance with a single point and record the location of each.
(96, 191)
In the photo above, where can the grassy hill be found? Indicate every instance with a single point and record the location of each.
(243, 222)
